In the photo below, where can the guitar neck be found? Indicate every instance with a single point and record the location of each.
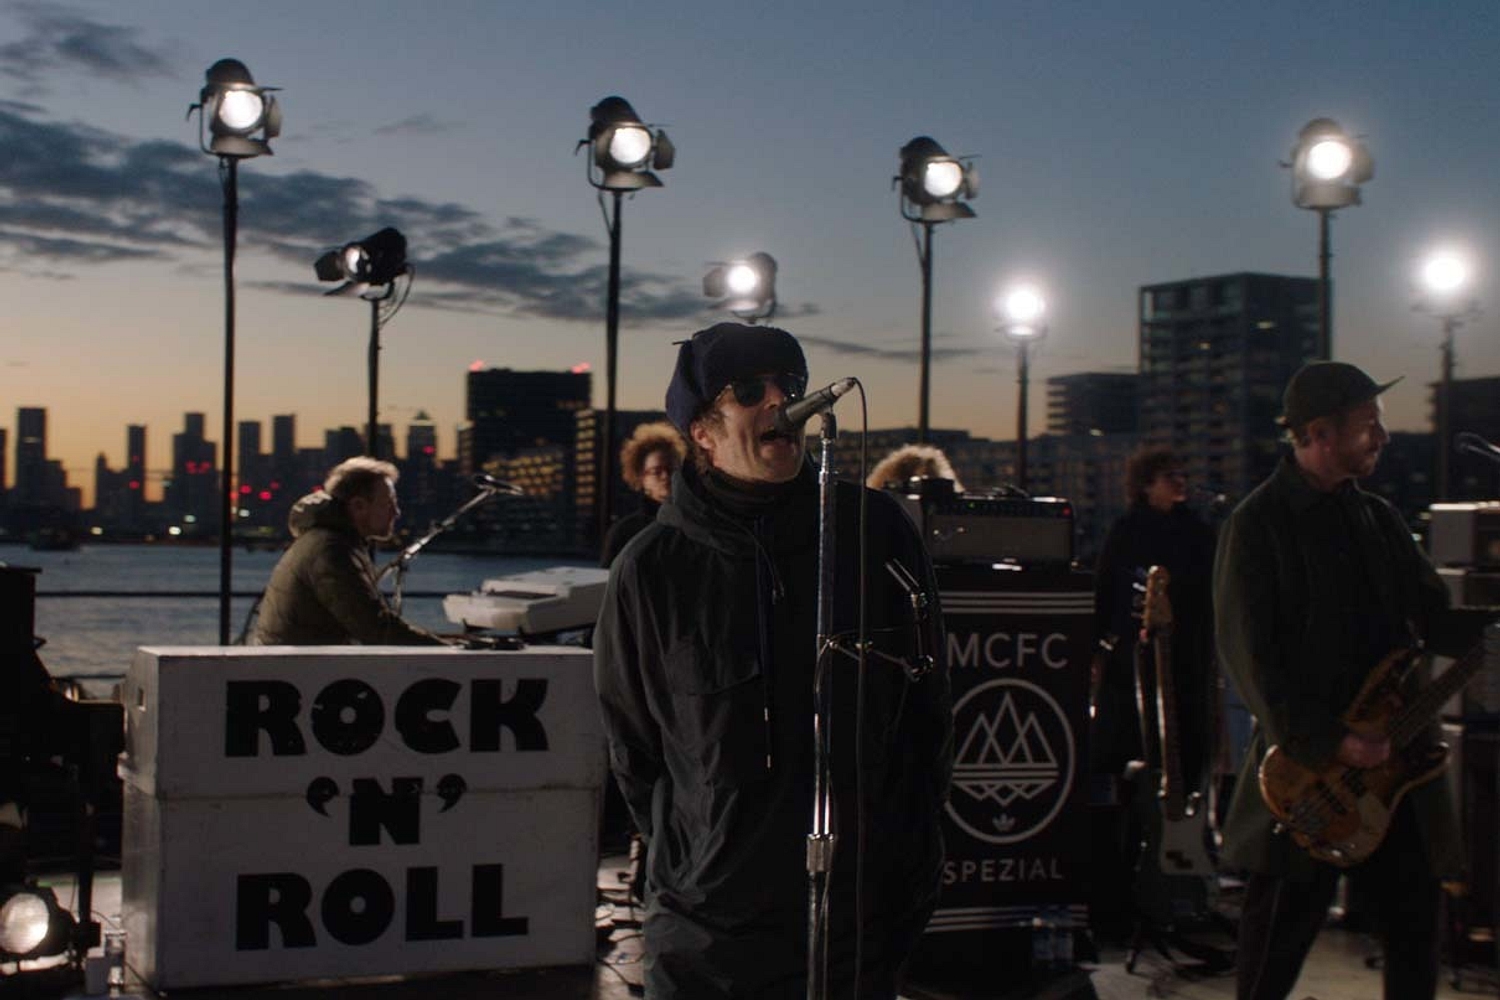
(1166, 723)
(1425, 707)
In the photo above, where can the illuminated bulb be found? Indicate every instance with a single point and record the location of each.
(741, 279)
(23, 923)
(1329, 159)
(942, 178)
(630, 145)
(1444, 273)
(356, 261)
(241, 109)
(1024, 305)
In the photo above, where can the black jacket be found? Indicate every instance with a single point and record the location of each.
(703, 658)
(626, 528)
(1179, 540)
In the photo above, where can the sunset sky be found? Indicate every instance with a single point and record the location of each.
(1118, 145)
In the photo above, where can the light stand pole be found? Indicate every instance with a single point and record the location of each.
(621, 149)
(1023, 379)
(933, 187)
(1445, 412)
(611, 358)
(1443, 278)
(372, 426)
(924, 392)
(1022, 316)
(1325, 287)
(229, 176)
(231, 111)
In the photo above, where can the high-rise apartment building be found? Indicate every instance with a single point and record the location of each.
(251, 462)
(31, 458)
(283, 441)
(191, 495)
(508, 411)
(133, 503)
(418, 488)
(514, 414)
(1093, 403)
(1215, 355)
(340, 443)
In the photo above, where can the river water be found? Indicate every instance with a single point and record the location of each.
(97, 636)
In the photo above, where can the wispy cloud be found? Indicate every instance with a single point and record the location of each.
(56, 37)
(422, 124)
(76, 195)
(908, 354)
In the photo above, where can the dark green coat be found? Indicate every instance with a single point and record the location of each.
(1311, 590)
(323, 591)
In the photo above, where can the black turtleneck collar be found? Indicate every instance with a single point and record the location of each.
(745, 500)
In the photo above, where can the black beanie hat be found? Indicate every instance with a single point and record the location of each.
(717, 356)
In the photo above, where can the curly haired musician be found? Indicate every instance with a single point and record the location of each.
(1316, 581)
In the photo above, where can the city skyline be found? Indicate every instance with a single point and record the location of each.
(1117, 149)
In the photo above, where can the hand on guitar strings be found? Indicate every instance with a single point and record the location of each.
(1360, 751)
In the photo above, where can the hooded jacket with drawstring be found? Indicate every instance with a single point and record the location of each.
(704, 664)
(323, 592)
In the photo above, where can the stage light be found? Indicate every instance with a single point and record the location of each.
(1021, 308)
(235, 110)
(933, 187)
(748, 287)
(932, 182)
(1444, 273)
(623, 148)
(1328, 166)
(32, 924)
(377, 260)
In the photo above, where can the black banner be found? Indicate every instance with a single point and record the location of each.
(1016, 824)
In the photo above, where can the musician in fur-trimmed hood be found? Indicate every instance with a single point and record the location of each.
(1316, 582)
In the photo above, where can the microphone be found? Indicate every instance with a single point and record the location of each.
(1214, 499)
(793, 415)
(490, 484)
(1472, 443)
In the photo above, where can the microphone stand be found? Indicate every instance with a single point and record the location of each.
(822, 840)
(402, 562)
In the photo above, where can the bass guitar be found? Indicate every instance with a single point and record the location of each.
(1175, 869)
(1340, 814)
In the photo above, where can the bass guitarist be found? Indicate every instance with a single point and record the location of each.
(1316, 581)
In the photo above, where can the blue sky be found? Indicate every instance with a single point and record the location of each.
(1118, 145)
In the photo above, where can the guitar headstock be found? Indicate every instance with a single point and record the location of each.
(1156, 614)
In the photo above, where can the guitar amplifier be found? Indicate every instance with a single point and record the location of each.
(1465, 534)
(965, 528)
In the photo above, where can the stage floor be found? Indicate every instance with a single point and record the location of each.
(1336, 970)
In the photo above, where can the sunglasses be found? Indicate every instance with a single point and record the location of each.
(751, 391)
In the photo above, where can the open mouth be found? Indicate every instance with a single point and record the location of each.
(774, 435)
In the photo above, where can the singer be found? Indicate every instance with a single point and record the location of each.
(704, 662)
(323, 591)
